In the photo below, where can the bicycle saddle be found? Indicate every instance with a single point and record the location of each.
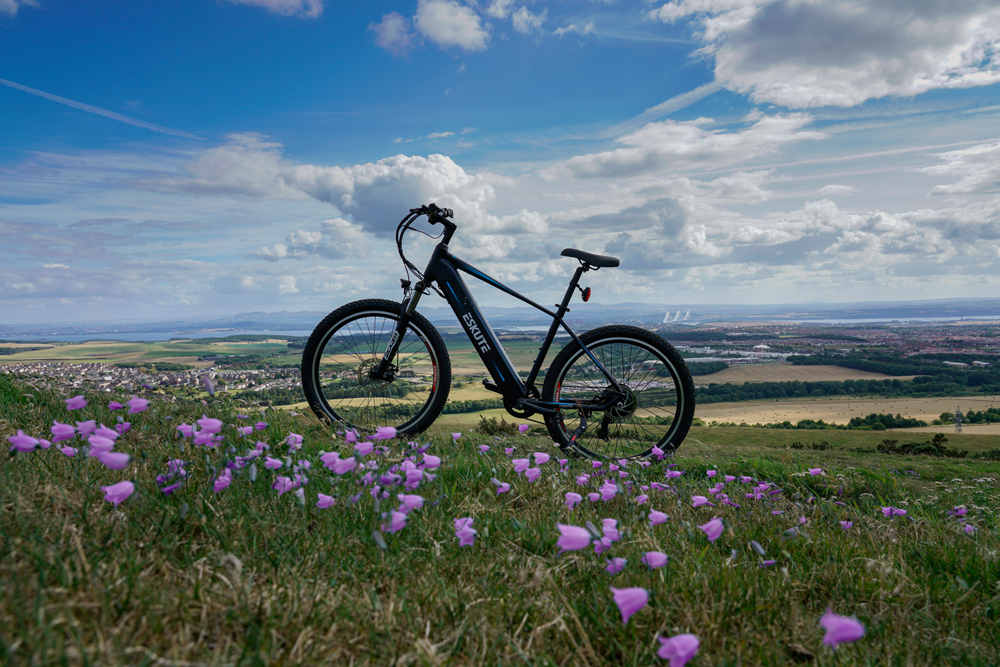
(590, 258)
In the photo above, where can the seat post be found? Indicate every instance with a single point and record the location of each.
(563, 307)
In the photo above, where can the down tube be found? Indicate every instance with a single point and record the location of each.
(483, 339)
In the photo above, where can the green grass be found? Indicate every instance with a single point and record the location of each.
(248, 577)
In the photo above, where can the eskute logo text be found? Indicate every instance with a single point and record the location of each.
(474, 330)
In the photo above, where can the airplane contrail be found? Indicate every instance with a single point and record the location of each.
(89, 108)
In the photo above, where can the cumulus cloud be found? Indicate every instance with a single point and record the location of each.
(578, 28)
(447, 23)
(685, 144)
(809, 53)
(393, 33)
(336, 238)
(302, 8)
(525, 22)
(836, 189)
(500, 9)
(10, 7)
(977, 169)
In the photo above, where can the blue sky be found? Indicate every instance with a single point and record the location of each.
(205, 158)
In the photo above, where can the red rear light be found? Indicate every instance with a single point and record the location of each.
(586, 294)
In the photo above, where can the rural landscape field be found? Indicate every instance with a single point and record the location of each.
(281, 540)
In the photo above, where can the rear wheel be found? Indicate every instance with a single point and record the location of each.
(655, 408)
(349, 343)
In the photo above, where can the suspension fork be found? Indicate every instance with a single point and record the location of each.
(409, 306)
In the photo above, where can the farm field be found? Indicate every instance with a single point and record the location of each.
(837, 409)
(785, 372)
(181, 351)
(244, 572)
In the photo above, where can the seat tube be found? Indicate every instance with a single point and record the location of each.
(554, 327)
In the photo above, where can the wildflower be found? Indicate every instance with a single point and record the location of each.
(502, 487)
(629, 600)
(122, 427)
(573, 499)
(113, 460)
(283, 484)
(671, 474)
(656, 518)
(520, 465)
(408, 502)
(959, 510)
(533, 474)
(815, 471)
(272, 463)
(68, 451)
(608, 491)
(431, 461)
(117, 493)
(657, 452)
(86, 428)
(767, 563)
(323, 501)
(343, 466)
(641, 499)
(678, 649)
(364, 448)
(699, 501)
(610, 529)
(22, 442)
(846, 524)
(582, 480)
(115, 405)
(294, 442)
(711, 473)
(541, 458)
(186, 430)
(397, 521)
(616, 565)
(260, 426)
(572, 538)
(99, 444)
(223, 481)
(840, 629)
(893, 511)
(464, 531)
(969, 529)
(75, 403)
(484, 448)
(654, 559)
(385, 433)
(136, 404)
(456, 436)
(593, 496)
(713, 529)
(61, 431)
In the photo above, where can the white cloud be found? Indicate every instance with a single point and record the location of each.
(525, 22)
(10, 7)
(55, 266)
(578, 28)
(835, 189)
(683, 145)
(500, 9)
(447, 23)
(393, 33)
(302, 8)
(286, 285)
(808, 53)
(977, 169)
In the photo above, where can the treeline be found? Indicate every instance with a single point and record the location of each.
(703, 367)
(930, 365)
(873, 422)
(923, 386)
(988, 416)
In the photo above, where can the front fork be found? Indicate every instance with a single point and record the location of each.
(386, 369)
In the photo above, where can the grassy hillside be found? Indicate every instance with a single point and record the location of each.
(245, 575)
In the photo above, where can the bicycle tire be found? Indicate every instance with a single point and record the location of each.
(601, 341)
(422, 331)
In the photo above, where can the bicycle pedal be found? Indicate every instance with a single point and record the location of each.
(492, 387)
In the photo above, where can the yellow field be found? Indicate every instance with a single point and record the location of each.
(967, 429)
(838, 410)
(783, 372)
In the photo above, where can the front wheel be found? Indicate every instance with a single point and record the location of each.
(655, 408)
(348, 344)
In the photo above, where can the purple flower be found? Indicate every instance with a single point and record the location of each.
(969, 529)
(502, 487)
(616, 565)
(68, 451)
(593, 496)
(893, 511)
(283, 484)
(272, 463)
(572, 538)
(484, 448)
(464, 531)
(678, 649)
(767, 563)
(260, 426)
(136, 404)
(122, 427)
(209, 424)
(99, 444)
(115, 405)
(846, 524)
(409, 502)
(541, 458)
(523, 428)
(456, 436)
(22, 442)
(385, 433)
(815, 471)
(641, 499)
(671, 474)
(343, 466)
(533, 474)
(520, 465)
(86, 428)
(430, 462)
(323, 501)
(840, 629)
(186, 430)
(654, 559)
(629, 600)
(610, 529)
(223, 481)
(711, 473)
(699, 501)
(113, 460)
(573, 499)
(656, 518)
(61, 431)
(75, 403)
(397, 521)
(713, 529)
(364, 448)
(582, 480)
(117, 493)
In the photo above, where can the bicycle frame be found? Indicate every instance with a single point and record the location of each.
(443, 268)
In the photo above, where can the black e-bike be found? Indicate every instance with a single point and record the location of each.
(612, 392)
